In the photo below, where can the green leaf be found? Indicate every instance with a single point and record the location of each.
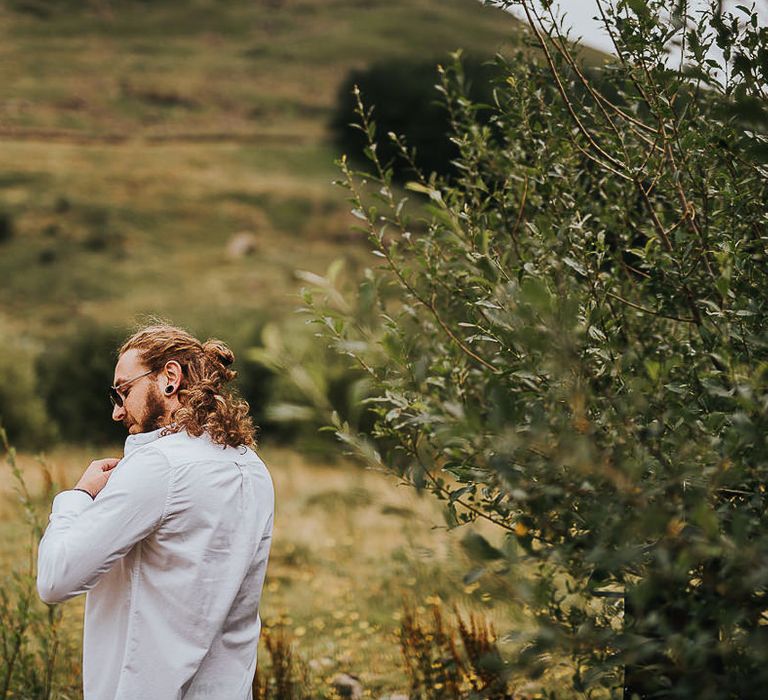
(449, 514)
(477, 547)
(574, 265)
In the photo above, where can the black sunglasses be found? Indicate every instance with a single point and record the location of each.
(115, 397)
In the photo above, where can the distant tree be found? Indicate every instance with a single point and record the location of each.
(573, 345)
(74, 375)
(7, 228)
(408, 104)
(22, 412)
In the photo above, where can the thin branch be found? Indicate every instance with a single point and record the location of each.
(408, 286)
(668, 244)
(680, 221)
(599, 98)
(657, 175)
(650, 311)
(441, 489)
(609, 29)
(688, 208)
(561, 89)
(603, 165)
(519, 220)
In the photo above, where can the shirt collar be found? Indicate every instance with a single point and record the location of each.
(133, 442)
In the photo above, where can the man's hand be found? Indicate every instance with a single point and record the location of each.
(96, 476)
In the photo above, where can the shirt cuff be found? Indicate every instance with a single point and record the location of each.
(71, 502)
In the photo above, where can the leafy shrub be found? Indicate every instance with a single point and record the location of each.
(307, 379)
(408, 104)
(579, 351)
(47, 255)
(7, 228)
(62, 204)
(22, 412)
(99, 240)
(74, 374)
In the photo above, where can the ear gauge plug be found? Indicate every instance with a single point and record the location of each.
(169, 390)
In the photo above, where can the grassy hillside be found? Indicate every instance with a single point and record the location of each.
(137, 138)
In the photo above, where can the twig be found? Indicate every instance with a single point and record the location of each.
(522, 208)
(650, 311)
(617, 164)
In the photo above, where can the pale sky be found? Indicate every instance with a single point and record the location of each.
(580, 17)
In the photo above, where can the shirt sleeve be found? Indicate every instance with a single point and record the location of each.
(85, 537)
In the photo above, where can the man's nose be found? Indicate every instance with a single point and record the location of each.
(118, 413)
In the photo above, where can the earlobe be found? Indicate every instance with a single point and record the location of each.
(173, 375)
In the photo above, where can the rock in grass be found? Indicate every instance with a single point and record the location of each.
(242, 244)
(348, 686)
(321, 664)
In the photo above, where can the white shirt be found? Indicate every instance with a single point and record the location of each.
(173, 553)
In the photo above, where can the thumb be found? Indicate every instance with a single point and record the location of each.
(109, 463)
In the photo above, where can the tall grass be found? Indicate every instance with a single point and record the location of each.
(449, 660)
(287, 676)
(35, 658)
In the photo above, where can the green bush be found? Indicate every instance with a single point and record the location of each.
(7, 227)
(74, 375)
(575, 350)
(408, 104)
(307, 382)
(22, 412)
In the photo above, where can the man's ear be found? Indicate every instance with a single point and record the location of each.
(173, 376)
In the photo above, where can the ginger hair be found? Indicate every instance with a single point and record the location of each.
(206, 405)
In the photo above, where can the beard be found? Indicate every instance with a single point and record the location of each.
(153, 415)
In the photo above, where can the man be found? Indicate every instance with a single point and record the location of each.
(171, 541)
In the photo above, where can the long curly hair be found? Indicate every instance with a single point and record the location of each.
(206, 406)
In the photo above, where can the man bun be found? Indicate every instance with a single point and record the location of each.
(218, 351)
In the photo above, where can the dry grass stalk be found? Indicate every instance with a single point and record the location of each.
(286, 677)
(436, 666)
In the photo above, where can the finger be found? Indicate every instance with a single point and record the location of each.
(109, 463)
